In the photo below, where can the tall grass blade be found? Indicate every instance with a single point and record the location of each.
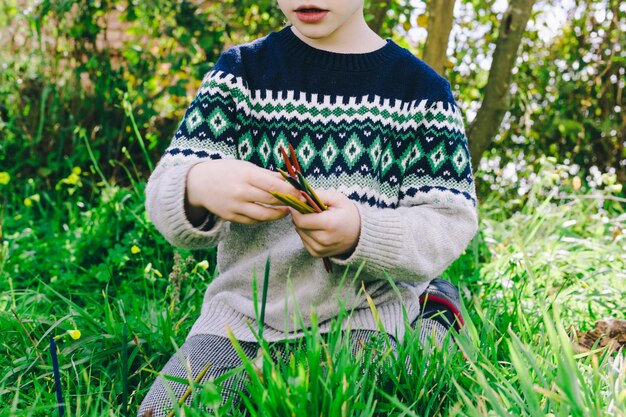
(129, 113)
(83, 134)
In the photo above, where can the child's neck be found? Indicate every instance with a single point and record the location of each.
(358, 40)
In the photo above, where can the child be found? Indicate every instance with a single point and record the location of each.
(377, 134)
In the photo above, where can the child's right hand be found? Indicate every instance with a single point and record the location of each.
(236, 191)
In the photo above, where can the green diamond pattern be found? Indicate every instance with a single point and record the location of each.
(410, 157)
(374, 153)
(278, 156)
(218, 122)
(353, 150)
(459, 160)
(333, 141)
(437, 157)
(306, 152)
(386, 160)
(329, 153)
(265, 150)
(245, 148)
(193, 120)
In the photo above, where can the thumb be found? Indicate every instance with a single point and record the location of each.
(331, 198)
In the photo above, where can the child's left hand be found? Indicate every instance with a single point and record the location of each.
(332, 232)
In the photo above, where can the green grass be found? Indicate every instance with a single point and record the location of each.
(82, 256)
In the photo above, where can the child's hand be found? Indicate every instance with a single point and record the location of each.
(332, 232)
(236, 191)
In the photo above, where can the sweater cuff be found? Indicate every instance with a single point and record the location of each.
(179, 230)
(380, 245)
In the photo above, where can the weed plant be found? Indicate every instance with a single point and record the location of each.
(81, 262)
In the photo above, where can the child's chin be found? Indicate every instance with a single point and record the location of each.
(317, 32)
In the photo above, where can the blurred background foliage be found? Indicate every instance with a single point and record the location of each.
(108, 81)
(91, 92)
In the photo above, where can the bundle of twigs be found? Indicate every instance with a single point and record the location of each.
(312, 203)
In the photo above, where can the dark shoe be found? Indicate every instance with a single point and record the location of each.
(442, 302)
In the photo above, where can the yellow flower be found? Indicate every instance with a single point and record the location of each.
(74, 334)
(204, 264)
(72, 179)
(5, 177)
(135, 250)
(28, 201)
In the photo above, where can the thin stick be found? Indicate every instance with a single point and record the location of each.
(309, 190)
(57, 376)
(294, 183)
(266, 279)
(293, 202)
(327, 265)
(284, 174)
(287, 162)
(311, 202)
(124, 370)
(294, 158)
(297, 180)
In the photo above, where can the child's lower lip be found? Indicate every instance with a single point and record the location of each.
(311, 17)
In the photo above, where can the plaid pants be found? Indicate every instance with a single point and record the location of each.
(440, 309)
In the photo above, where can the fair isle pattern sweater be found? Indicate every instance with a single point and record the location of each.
(380, 127)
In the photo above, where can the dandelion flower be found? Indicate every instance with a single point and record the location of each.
(204, 264)
(5, 177)
(135, 250)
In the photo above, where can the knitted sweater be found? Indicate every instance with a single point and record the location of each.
(380, 127)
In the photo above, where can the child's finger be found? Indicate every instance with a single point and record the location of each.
(255, 195)
(267, 183)
(332, 198)
(310, 244)
(310, 221)
(260, 213)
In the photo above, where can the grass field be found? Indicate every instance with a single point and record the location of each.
(79, 261)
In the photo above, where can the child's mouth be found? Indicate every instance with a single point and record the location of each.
(310, 14)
